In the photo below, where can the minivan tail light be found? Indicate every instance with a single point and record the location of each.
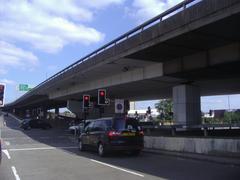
(113, 133)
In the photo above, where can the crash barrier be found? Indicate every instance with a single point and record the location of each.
(208, 146)
(151, 128)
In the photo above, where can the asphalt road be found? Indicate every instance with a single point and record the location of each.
(53, 155)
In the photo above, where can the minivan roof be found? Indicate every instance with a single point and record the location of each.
(108, 118)
(104, 118)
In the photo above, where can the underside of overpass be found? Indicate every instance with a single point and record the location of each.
(215, 70)
(204, 52)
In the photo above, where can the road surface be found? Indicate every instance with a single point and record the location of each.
(53, 155)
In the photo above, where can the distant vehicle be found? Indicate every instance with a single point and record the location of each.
(112, 134)
(35, 123)
(25, 124)
(78, 128)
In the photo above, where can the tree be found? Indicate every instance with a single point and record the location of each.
(232, 117)
(164, 107)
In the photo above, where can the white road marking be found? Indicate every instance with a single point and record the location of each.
(5, 151)
(43, 137)
(43, 148)
(17, 138)
(7, 143)
(115, 167)
(15, 173)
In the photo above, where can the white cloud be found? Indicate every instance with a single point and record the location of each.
(7, 81)
(50, 25)
(142, 10)
(11, 56)
(100, 3)
(65, 8)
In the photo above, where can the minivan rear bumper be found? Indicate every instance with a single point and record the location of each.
(111, 147)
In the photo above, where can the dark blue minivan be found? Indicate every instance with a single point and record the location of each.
(112, 134)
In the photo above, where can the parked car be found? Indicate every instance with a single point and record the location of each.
(35, 123)
(112, 134)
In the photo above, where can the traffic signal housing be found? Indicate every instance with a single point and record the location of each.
(2, 90)
(86, 101)
(102, 97)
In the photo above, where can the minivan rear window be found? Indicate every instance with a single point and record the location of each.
(123, 124)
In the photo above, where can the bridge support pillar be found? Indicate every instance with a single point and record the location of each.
(186, 105)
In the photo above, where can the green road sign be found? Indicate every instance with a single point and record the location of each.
(24, 87)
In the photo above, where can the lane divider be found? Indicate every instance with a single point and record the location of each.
(15, 173)
(5, 151)
(118, 168)
(43, 148)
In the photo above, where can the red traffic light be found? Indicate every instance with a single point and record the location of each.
(86, 101)
(102, 93)
(102, 97)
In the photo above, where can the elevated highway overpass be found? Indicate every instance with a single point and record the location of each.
(191, 50)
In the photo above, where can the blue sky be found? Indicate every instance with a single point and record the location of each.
(40, 37)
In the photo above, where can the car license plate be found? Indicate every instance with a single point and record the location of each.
(128, 134)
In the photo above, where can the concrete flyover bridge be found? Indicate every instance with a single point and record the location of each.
(190, 50)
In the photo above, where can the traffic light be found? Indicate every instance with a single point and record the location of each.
(86, 101)
(102, 97)
(2, 89)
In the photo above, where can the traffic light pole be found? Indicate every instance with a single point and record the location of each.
(101, 111)
(84, 115)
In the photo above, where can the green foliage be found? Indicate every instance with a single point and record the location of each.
(232, 117)
(210, 120)
(229, 117)
(165, 108)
